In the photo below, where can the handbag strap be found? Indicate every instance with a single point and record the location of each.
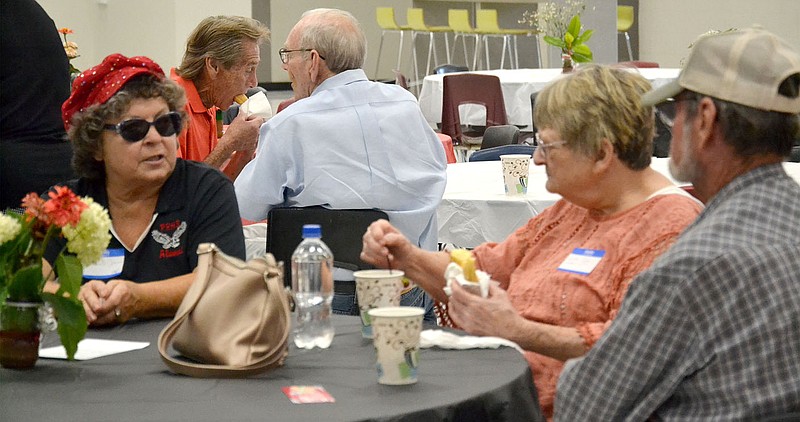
(206, 254)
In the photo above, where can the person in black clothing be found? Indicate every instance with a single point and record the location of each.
(34, 82)
(123, 118)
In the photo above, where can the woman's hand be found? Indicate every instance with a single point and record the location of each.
(108, 303)
(383, 244)
(490, 316)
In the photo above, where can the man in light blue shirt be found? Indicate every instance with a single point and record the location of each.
(346, 142)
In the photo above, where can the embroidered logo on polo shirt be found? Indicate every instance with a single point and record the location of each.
(170, 241)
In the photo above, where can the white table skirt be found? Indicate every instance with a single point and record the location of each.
(518, 85)
(475, 208)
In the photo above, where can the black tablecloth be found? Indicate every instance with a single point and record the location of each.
(481, 384)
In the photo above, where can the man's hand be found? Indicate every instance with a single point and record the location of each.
(241, 135)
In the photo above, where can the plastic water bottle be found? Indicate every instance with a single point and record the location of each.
(312, 285)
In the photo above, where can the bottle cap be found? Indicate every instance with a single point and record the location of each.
(313, 231)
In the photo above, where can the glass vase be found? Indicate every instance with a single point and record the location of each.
(19, 334)
(566, 63)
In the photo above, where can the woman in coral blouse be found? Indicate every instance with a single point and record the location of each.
(563, 275)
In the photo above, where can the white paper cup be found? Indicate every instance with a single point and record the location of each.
(376, 289)
(396, 332)
(515, 173)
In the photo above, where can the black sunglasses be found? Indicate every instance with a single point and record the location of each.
(134, 130)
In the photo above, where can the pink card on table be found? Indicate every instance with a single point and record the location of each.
(300, 394)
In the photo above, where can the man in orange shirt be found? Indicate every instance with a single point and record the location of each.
(219, 63)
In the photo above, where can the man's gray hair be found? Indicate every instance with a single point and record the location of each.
(337, 36)
(751, 131)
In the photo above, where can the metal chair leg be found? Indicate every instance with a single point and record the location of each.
(414, 55)
(477, 54)
(400, 50)
(447, 46)
(378, 60)
(628, 40)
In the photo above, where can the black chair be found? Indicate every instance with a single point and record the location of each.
(450, 68)
(493, 154)
(662, 139)
(496, 136)
(341, 231)
(794, 156)
(533, 107)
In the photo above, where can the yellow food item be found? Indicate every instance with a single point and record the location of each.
(240, 99)
(466, 261)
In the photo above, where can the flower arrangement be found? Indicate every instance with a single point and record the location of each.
(71, 48)
(561, 26)
(23, 240)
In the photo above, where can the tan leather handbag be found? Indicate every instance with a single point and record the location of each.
(233, 321)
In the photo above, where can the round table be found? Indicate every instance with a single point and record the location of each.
(478, 384)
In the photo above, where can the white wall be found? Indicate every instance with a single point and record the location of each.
(154, 28)
(159, 28)
(666, 28)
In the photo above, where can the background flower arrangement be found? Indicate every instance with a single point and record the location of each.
(23, 240)
(561, 26)
(71, 48)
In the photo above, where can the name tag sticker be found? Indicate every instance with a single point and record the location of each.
(582, 261)
(109, 266)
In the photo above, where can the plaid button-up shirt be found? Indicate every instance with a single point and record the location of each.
(710, 331)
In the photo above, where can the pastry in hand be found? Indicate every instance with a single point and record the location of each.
(464, 259)
(240, 99)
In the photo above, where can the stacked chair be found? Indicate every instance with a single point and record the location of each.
(416, 21)
(458, 19)
(624, 23)
(388, 24)
(487, 26)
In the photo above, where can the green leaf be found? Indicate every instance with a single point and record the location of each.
(568, 39)
(24, 285)
(585, 36)
(582, 58)
(575, 26)
(70, 274)
(583, 50)
(555, 41)
(72, 323)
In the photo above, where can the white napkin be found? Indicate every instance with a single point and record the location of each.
(257, 105)
(453, 272)
(91, 348)
(448, 340)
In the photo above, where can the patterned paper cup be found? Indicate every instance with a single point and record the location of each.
(396, 338)
(515, 173)
(376, 289)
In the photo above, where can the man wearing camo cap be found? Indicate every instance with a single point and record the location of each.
(710, 330)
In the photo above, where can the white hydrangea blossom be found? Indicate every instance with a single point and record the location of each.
(89, 238)
(9, 228)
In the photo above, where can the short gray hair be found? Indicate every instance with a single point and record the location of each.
(337, 36)
(600, 102)
(751, 131)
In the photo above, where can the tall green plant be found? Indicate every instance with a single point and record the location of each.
(574, 41)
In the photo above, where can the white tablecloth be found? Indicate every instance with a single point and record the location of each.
(475, 208)
(518, 85)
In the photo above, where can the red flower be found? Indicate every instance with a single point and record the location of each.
(65, 31)
(34, 206)
(64, 207)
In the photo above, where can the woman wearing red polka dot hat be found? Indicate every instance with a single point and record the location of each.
(123, 118)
